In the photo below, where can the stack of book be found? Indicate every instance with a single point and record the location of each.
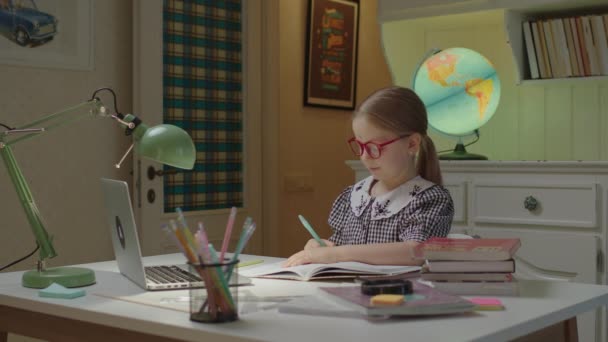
(470, 266)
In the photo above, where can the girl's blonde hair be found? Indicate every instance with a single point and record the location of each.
(400, 110)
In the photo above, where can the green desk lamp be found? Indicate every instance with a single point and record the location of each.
(166, 144)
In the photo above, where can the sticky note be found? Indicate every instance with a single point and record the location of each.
(386, 300)
(59, 291)
(487, 303)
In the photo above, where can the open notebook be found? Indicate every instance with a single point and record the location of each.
(325, 271)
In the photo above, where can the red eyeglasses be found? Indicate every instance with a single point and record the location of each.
(374, 150)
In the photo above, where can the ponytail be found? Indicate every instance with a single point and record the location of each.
(427, 164)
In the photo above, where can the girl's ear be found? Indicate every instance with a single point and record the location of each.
(413, 144)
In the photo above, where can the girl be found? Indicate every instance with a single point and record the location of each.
(380, 219)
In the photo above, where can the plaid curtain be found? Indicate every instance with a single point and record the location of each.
(203, 94)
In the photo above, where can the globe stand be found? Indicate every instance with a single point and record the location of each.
(460, 153)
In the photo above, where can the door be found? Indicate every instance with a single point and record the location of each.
(150, 180)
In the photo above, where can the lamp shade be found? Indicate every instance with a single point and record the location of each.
(167, 144)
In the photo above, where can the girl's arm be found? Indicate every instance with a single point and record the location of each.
(394, 253)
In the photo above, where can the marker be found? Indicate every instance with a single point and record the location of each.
(311, 231)
(249, 263)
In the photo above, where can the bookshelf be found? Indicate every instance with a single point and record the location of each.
(515, 13)
(514, 20)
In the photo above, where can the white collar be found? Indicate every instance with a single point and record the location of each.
(387, 204)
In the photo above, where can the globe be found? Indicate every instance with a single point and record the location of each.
(461, 90)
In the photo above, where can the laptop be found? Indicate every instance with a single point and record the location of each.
(125, 241)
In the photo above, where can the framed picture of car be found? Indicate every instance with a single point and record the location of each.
(47, 33)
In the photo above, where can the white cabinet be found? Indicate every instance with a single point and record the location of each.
(559, 210)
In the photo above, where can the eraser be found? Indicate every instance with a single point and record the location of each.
(386, 300)
(59, 291)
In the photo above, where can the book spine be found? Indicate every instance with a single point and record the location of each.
(532, 62)
(590, 47)
(541, 32)
(570, 48)
(583, 47)
(552, 52)
(539, 51)
(577, 47)
(599, 35)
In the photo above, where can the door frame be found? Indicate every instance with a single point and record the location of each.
(147, 94)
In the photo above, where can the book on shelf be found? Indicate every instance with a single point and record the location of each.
(531, 53)
(545, 51)
(488, 288)
(583, 48)
(325, 271)
(577, 47)
(473, 276)
(600, 42)
(470, 266)
(542, 69)
(424, 301)
(467, 249)
(570, 49)
(561, 49)
(594, 66)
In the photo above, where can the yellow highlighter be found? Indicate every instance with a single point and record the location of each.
(249, 263)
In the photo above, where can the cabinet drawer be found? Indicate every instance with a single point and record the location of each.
(458, 192)
(568, 205)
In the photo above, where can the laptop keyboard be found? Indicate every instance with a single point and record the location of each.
(170, 275)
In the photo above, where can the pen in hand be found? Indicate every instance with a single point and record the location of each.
(311, 231)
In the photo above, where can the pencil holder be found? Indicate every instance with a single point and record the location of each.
(217, 301)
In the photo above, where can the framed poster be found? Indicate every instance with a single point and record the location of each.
(47, 33)
(331, 53)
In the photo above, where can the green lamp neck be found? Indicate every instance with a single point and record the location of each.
(137, 130)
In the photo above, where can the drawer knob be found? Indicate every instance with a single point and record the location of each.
(530, 203)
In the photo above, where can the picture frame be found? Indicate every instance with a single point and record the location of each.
(331, 53)
(47, 33)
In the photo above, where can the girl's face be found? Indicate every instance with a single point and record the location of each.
(396, 163)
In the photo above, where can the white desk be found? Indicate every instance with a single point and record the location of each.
(96, 318)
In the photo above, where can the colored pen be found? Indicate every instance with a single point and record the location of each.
(311, 231)
(228, 232)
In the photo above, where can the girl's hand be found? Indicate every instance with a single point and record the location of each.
(312, 243)
(325, 255)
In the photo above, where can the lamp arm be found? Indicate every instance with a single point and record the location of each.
(29, 206)
(93, 108)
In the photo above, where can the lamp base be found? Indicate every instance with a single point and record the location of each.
(460, 153)
(65, 276)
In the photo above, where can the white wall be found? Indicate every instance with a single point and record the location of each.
(63, 166)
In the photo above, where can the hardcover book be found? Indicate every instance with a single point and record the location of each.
(424, 301)
(504, 266)
(487, 288)
(473, 276)
(325, 271)
(467, 249)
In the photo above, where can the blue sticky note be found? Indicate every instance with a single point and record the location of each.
(59, 291)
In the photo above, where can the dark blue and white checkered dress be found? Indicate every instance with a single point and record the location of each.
(415, 211)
